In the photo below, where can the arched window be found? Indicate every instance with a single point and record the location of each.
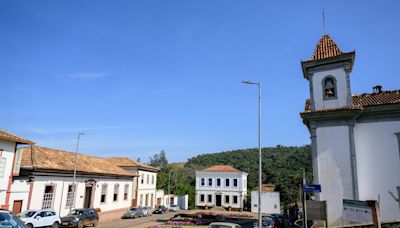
(329, 88)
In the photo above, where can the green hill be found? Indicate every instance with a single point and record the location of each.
(281, 166)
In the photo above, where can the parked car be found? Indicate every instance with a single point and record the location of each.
(133, 212)
(8, 220)
(268, 221)
(278, 219)
(80, 218)
(174, 207)
(40, 218)
(223, 225)
(146, 211)
(160, 210)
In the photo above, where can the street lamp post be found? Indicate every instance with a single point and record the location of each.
(259, 150)
(74, 176)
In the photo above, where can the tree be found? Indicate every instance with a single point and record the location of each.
(159, 160)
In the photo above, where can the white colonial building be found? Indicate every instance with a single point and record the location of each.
(144, 185)
(221, 186)
(46, 182)
(9, 167)
(355, 138)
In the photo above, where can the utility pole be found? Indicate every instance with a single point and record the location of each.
(304, 199)
(74, 176)
(259, 151)
(169, 188)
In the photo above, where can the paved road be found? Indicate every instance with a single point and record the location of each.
(139, 222)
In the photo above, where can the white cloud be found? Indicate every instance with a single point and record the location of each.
(87, 75)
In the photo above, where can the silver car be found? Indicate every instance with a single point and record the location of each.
(133, 213)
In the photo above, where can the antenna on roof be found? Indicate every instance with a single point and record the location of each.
(323, 20)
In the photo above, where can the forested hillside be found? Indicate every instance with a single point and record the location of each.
(281, 166)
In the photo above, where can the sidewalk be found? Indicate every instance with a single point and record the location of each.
(111, 215)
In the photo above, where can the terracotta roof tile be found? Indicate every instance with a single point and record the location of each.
(369, 99)
(221, 168)
(266, 188)
(326, 48)
(41, 158)
(364, 100)
(14, 138)
(126, 162)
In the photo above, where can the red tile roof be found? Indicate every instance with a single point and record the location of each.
(126, 162)
(266, 188)
(14, 138)
(41, 158)
(367, 99)
(326, 48)
(221, 168)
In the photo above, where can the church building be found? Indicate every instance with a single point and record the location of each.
(355, 138)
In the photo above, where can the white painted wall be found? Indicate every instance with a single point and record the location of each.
(183, 202)
(19, 191)
(334, 169)
(240, 191)
(8, 153)
(270, 202)
(341, 86)
(378, 164)
(61, 189)
(147, 186)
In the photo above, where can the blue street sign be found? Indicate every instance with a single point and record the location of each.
(312, 188)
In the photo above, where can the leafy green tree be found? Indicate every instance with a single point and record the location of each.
(281, 166)
(159, 160)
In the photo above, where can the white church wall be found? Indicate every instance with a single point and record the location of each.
(341, 86)
(334, 169)
(378, 164)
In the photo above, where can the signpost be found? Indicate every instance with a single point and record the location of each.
(312, 188)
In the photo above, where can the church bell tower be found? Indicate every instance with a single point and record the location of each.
(328, 73)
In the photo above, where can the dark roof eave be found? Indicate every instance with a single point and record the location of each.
(19, 141)
(77, 172)
(140, 168)
(308, 116)
(348, 56)
(149, 169)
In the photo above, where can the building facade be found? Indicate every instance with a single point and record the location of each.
(46, 182)
(145, 184)
(355, 138)
(270, 200)
(9, 167)
(221, 186)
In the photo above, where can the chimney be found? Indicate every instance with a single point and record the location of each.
(377, 89)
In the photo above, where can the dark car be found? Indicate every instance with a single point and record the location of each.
(80, 218)
(278, 219)
(268, 221)
(133, 212)
(160, 210)
(8, 220)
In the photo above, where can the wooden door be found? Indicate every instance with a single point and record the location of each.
(88, 197)
(17, 206)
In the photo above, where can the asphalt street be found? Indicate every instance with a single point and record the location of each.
(156, 219)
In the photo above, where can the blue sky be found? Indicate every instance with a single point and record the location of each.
(143, 76)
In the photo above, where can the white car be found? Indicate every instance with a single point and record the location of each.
(174, 207)
(223, 225)
(40, 218)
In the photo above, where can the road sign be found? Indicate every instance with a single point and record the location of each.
(312, 188)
